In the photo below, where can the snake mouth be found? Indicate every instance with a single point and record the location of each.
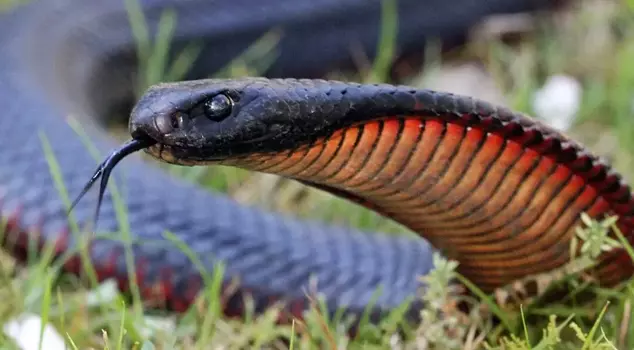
(182, 156)
(167, 153)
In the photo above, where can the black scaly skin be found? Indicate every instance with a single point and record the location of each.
(284, 113)
(75, 58)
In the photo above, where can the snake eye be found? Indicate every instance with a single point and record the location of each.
(218, 107)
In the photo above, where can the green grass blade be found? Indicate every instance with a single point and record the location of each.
(508, 324)
(387, 42)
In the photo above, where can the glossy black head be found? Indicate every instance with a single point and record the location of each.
(202, 121)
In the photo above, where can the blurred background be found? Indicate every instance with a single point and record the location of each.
(570, 64)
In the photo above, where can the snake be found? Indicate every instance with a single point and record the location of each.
(494, 189)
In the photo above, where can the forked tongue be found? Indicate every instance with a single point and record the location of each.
(105, 169)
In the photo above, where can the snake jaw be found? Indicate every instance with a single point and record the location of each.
(166, 153)
(178, 156)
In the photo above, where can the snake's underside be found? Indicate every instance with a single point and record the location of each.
(507, 200)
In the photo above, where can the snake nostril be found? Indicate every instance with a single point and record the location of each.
(177, 120)
(167, 123)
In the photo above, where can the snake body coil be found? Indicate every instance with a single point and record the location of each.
(61, 58)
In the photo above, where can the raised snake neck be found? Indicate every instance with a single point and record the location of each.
(61, 58)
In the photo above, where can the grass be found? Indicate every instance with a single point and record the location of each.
(586, 317)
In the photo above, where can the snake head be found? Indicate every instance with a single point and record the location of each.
(203, 121)
(208, 121)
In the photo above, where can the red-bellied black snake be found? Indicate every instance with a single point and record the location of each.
(495, 190)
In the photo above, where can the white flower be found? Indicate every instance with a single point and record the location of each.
(558, 101)
(25, 332)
